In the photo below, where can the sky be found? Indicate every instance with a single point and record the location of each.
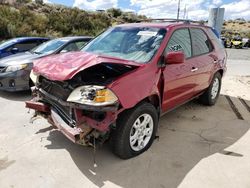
(196, 9)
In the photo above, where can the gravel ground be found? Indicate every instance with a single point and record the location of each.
(238, 54)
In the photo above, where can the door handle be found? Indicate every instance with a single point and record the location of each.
(194, 69)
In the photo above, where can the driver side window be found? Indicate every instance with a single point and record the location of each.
(180, 41)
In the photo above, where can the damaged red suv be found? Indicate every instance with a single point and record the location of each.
(119, 85)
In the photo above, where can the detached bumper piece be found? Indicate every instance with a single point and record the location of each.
(41, 107)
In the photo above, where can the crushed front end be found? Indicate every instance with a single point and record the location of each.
(82, 108)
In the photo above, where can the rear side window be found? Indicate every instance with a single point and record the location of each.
(80, 44)
(200, 42)
(180, 41)
(73, 46)
(24, 46)
(214, 38)
(41, 41)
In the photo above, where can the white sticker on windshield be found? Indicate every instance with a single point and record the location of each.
(147, 33)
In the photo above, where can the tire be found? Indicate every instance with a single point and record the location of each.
(209, 97)
(122, 138)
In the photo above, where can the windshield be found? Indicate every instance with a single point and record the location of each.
(138, 44)
(7, 43)
(49, 47)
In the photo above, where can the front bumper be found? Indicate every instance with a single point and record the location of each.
(75, 125)
(15, 81)
(75, 134)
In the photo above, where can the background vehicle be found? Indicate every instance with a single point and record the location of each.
(236, 42)
(125, 79)
(17, 45)
(15, 69)
(224, 41)
(246, 42)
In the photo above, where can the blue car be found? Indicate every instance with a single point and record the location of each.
(17, 45)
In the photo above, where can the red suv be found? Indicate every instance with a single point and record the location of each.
(119, 85)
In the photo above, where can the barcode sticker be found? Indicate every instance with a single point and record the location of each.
(147, 33)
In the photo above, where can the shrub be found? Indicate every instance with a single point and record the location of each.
(34, 18)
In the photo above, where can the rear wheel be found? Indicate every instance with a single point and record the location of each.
(135, 131)
(210, 96)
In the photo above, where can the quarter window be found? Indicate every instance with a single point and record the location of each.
(80, 44)
(180, 41)
(214, 38)
(70, 47)
(74, 46)
(200, 42)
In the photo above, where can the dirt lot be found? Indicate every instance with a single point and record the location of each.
(198, 146)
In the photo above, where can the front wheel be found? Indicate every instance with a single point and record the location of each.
(210, 96)
(135, 131)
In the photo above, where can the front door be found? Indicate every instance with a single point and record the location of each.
(179, 79)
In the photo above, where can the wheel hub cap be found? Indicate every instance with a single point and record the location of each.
(141, 132)
(215, 88)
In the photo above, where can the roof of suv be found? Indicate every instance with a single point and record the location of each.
(160, 24)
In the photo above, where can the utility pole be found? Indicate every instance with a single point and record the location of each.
(185, 11)
(216, 18)
(178, 11)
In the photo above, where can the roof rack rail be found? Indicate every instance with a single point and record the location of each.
(187, 21)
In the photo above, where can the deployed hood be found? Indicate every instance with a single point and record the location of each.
(19, 58)
(65, 66)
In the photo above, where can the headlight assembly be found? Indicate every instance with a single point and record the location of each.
(93, 95)
(13, 68)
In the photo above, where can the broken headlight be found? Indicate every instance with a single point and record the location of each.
(93, 95)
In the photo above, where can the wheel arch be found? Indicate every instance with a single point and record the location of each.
(154, 100)
(221, 71)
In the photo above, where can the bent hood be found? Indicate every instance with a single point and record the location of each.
(19, 58)
(64, 66)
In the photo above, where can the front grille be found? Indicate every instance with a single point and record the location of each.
(60, 91)
(65, 112)
(55, 88)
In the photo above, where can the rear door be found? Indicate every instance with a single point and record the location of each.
(204, 58)
(179, 79)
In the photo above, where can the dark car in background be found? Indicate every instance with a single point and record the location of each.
(18, 45)
(15, 70)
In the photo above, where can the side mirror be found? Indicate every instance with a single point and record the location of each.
(174, 58)
(14, 50)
